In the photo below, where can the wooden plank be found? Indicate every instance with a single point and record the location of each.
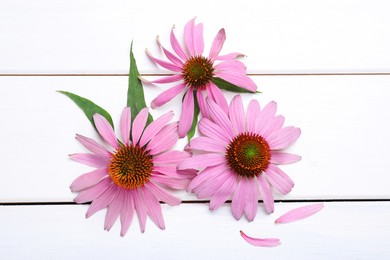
(340, 230)
(344, 142)
(302, 36)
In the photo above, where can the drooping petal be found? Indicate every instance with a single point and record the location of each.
(207, 144)
(176, 46)
(217, 96)
(92, 145)
(213, 131)
(170, 55)
(237, 114)
(127, 212)
(114, 209)
(165, 139)
(164, 64)
(170, 157)
(223, 192)
(202, 161)
(278, 157)
(189, 35)
(266, 194)
(92, 160)
(283, 137)
(87, 180)
(103, 200)
(252, 194)
(278, 179)
(154, 127)
(300, 213)
(162, 195)
(140, 208)
(153, 208)
(220, 118)
(125, 125)
(262, 242)
(92, 193)
(217, 44)
(167, 95)
(105, 130)
(187, 114)
(139, 125)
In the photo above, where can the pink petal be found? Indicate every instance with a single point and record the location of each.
(171, 157)
(165, 139)
(105, 130)
(209, 188)
(139, 125)
(127, 212)
(125, 125)
(300, 213)
(167, 95)
(189, 35)
(229, 56)
(187, 114)
(207, 144)
(215, 94)
(206, 176)
(237, 114)
(154, 127)
(223, 192)
(273, 125)
(114, 209)
(266, 194)
(176, 46)
(217, 45)
(283, 137)
(169, 55)
(92, 145)
(213, 131)
(253, 116)
(93, 192)
(170, 182)
(87, 180)
(263, 242)
(168, 170)
(162, 195)
(202, 161)
(198, 39)
(220, 118)
(265, 118)
(239, 79)
(140, 208)
(202, 103)
(239, 198)
(164, 64)
(278, 179)
(284, 158)
(92, 160)
(153, 208)
(163, 80)
(103, 200)
(252, 203)
(231, 65)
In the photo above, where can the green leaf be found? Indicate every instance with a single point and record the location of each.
(89, 108)
(223, 84)
(135, 92)
(191, 133)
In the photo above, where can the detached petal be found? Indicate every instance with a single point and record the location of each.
(300, 213)
(264, 242)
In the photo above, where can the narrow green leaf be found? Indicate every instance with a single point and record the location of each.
(135, 92)
(88, 107)
(191, 133)
(223, 84)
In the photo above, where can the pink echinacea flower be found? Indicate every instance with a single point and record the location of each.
(238, 157)
(131, 175)
(195, 73)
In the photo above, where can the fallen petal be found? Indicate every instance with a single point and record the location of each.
(300, 213)
(264, 242)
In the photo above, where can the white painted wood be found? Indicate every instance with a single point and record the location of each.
(340, 231)
(344, 142)
(302, 36)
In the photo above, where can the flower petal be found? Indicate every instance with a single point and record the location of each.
(210, 188)
(220, 118)
(278, 179)
(231, 65)
(127, 212)
(263, 242)
(170, 55)
(187, 114)
(278, 157)
(103, 200)
(201, 161)
(162, 195)
(170, 182)
(167, 95)
(92, 145)
(163, 80)
(176, 46)
(239, 79)
(213, 131)
(139, 125)
(223, 193)
(154, 127)
(266, 194)
(198, 39)
(164, 64)
(237, 114)
(239, 198)
(170, 157)
(202, 103)
(93, 192)
(88, 180)
(266, 117)
(207, 144)
(217, 96)
(92, 160)
(300, 213)
(206, 176)
(253, 115)
(125, 125)
(217, 44)
(105, 130)
(252, 203)
(140, 208)
(189, 35)
(283, 137)
(165, 139)
(153, 208)
(114, 209)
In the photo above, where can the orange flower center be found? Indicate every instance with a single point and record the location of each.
(130, 167)
(198, 71)
(248, 155)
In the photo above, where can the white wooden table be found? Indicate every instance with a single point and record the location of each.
(326, 63)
